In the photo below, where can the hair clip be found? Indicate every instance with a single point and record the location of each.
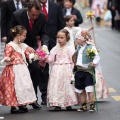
(13, 30)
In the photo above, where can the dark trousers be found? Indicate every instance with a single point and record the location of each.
(44, 73)
(83, 79)
(117, 24)
(113, 23)
(37, 77)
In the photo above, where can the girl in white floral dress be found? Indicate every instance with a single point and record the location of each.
(16, 88)
(60, 91)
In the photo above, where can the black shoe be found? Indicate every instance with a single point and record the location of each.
(36, 106)
(43, 103)
(14, 110)
(92, 107)
(23, 109)
(83, 108)
(69, 108)
(57, 108)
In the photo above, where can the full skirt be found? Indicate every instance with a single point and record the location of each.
(60, 91)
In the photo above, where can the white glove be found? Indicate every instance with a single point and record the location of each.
(31, 57)
(72, 79)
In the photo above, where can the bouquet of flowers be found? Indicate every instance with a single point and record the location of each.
(90, 53)
(41, 55)
(90, 15)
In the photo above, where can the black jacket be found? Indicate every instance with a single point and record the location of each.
(39, 27)
(7, 10)
(76, 12)
(55, 22)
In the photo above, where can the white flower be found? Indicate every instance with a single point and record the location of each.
(45, 48)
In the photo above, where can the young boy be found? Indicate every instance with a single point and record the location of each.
(84, 65)
(70, 10)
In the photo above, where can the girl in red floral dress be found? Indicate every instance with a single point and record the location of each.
(16, 88)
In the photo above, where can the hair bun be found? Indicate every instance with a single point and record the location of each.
(13, 30)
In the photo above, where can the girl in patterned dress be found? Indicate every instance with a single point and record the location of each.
(16, 88)
(60, 91)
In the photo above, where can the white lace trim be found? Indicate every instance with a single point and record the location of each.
(21, 51)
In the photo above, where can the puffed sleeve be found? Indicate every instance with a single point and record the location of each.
(52, 55)
(7, 54)
(71, 51)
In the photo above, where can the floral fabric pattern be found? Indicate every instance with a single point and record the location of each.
(9, 92)
(60, 91)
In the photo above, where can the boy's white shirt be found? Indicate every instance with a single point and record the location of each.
(68, 12)
(96, 59)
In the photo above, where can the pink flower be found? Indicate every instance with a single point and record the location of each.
(41, 53)
(42, 57)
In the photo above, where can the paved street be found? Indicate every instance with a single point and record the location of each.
(108, 42)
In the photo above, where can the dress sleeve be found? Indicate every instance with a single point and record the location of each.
(7, 54)
(8, 51)
(27, 53)
(71, 51)
(51, 56)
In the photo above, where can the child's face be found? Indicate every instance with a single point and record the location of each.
(70, 23)
(79, 41)
(22, 37)
(61, 38)
(68, 4)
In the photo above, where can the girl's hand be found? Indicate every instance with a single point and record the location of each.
(9, 59)
(4, 39)
(74, 17)
(98, 50)
(44, 59)
(91, 64)
(30, 50)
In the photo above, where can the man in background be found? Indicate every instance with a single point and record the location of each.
(7, 8)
